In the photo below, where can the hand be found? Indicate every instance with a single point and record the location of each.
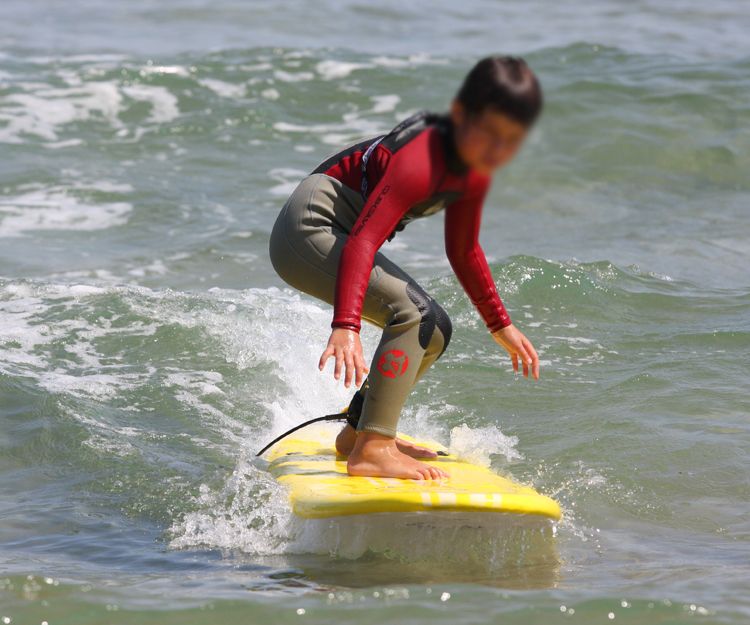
(345, 346)
(513, 340)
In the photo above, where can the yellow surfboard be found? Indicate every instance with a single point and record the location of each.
(320, 487)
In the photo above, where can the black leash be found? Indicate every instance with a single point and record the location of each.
(338, 416)
(351, 414)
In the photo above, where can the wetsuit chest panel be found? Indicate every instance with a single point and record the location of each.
(430, 206)
(433, 204)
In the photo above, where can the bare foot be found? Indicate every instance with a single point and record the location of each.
(415, 451)
(377, 455)
(348, 435)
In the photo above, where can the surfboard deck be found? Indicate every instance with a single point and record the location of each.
(320, 487)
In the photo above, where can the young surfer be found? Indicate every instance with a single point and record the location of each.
(327, 237)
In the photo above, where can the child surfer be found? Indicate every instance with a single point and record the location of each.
(326, 241)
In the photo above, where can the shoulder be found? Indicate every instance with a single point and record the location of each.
(422, 130)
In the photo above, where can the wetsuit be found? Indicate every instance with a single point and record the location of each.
(326, 239)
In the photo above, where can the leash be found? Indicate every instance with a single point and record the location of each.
(337, 416)
(350, 414)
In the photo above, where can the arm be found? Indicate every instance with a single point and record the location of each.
(462, 220)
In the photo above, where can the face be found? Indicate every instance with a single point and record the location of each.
(487, 141)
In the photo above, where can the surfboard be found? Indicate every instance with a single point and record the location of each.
(319, 486)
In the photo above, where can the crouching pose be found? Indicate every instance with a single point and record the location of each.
(327, 237)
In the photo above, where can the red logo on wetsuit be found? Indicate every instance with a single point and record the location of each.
(394, 362)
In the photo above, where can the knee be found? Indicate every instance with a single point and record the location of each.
(435, 326)
(422, 313)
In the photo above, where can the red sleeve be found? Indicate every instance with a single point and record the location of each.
(411, 175)
(462, 220)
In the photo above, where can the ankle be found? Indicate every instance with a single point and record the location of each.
(372, 441)
(369, 435)
(345, 439)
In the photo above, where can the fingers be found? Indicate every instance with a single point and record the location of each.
(349, 362)
(355, 368)
(525, 357)
(518, 346)
(348, 356)
(327, 353)
(361, 369)
(339, 362)
(534, 359)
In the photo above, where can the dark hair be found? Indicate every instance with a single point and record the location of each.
(504, 83)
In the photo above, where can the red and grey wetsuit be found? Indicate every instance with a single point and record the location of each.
(327, 237)
(413, 171)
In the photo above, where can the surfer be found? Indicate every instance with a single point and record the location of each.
(326, 241)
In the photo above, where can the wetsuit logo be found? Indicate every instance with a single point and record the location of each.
(393, 363)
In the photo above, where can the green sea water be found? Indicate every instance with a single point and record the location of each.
(148, 350)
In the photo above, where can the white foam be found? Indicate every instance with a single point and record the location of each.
(385, 103)
(163, 103)
(331, 69)
(283, 76)
(156, 267)
(255, 67)
(413, 60)
(58, 208)
(175, 70)
(352, 129)
(250, 512)
(574, 340)
(27, 340)
(204, 382)
(103, 59)
(288, 179)
(67, 143)
(270, 94)
(101, 386)
(478, 444)
(42, 111)
(222, 88)
(80, 290)
(30, 347)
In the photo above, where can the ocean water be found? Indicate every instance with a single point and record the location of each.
(148, 350)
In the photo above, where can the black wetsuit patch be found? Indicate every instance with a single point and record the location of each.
(423, 302)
